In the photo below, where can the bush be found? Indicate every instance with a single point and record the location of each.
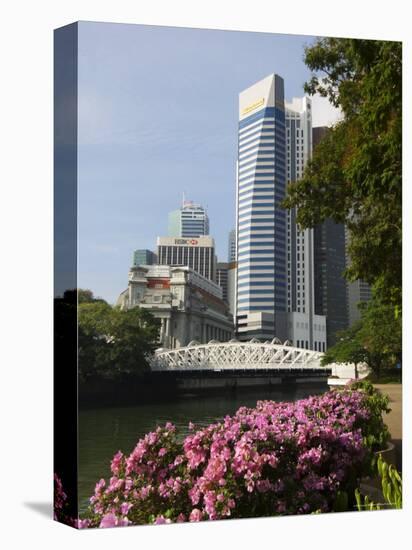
(275, 459)
(375, 432)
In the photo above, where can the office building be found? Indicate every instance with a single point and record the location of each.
(196, 253)
(231, 257)
(331, 292)
(231, 287)
(144, 257)
(260, 221)
(306, 328)
(222, 269)
(358, 291)
(190, 220)
(330, 284)
(189, 306)
(275, 278)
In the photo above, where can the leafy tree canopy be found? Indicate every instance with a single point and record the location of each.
(354, 176)
(348, 349)
(112, 342)
(376, 339)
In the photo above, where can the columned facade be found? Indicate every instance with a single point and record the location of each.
(189, 306)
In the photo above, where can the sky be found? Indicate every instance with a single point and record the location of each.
(157, 116)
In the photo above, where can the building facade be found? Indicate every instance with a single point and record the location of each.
(231, 256)
(331, 291)
(144, 257)
(306, 328)
(358, 291)
(189, 306)
(260, 221)
(275, 279)
(197, 253)
(191, 220)
(222, 269)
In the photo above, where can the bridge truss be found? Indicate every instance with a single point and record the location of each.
(235, 355)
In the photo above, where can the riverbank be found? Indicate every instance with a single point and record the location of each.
(167, 387)
(394, 419)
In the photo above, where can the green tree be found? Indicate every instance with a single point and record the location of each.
(355, 175)
(114, 343)
(86, 295)
(381, 334)
(375, 339)
(348, 349)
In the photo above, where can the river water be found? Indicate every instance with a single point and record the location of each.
(104, 431)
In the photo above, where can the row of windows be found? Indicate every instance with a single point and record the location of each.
(245, 292)
(304, 344)
(252, 143)
(200, 259)
(216, 333)
(270, 275)
(268, 113)
(256, 134)
(253, 196)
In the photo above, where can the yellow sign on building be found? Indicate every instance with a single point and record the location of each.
(253, 106)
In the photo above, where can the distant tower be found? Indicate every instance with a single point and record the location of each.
(144, 257)
(232, 246)
(191, 220)
(222, 278)
(197, 253)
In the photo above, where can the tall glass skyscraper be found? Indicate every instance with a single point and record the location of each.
(261, 291)
(275, 279)
(191, 220)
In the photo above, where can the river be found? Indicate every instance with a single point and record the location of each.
(104, 431)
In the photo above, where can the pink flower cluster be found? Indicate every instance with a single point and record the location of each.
(60, 498)
(277, 458)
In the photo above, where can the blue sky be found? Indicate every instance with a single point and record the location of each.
(158, 116)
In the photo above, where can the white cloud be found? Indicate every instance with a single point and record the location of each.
(323, 112)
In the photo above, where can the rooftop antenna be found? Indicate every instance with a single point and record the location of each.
(184, 199)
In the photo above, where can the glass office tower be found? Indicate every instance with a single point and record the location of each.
(260, 222)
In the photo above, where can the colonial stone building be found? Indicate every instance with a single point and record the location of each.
(189, 306)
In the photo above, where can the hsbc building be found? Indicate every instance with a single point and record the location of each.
(197, 253)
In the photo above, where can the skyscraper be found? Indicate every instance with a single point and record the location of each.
(357, 291)
(190, 220)
(196, 253)
(330, 285)
(331, 292)
(275, 278)
(261, 223)
(222, 269)
(231, 257)
(306, 328)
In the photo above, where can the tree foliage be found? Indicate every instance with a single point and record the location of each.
(355, 175)
(348, 349)
(376, 339)
(114, 343)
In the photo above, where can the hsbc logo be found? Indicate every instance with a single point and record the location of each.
(192, 242)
